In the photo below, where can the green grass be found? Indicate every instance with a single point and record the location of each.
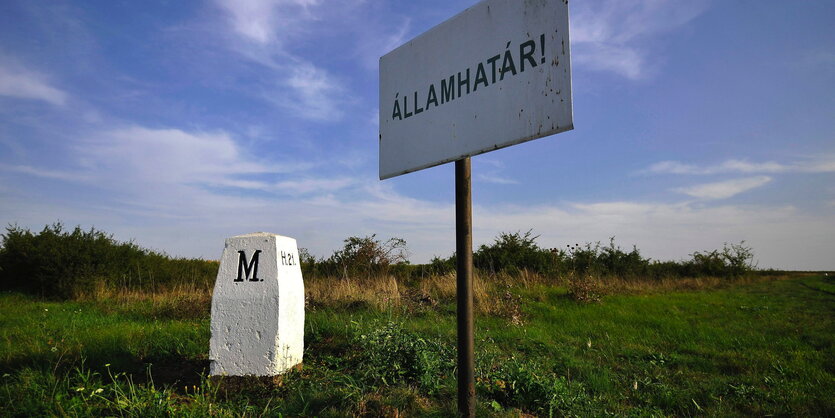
(758, 349)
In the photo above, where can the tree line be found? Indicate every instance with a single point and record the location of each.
(60, 263)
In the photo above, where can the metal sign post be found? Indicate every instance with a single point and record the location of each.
(495, 75)
(464, 286)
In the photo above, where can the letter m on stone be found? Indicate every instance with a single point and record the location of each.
(245, 269)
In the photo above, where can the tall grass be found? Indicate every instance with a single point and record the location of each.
(754, 350)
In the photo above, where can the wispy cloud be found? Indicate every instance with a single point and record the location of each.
(375, 40)
(318, 185)
(264, 28)
(490, 171)
(265, 21)
(44, 173)
(495, 179)
(819, 59)
(614, 35)
(17, 81)
(724, 189)
(314, 94)
(167, 165)
(822, 164)
(279, 35)
(171, 153)
(189, 220)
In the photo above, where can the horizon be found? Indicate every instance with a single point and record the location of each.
(697, 123)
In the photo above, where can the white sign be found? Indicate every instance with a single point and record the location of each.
(257, 307)
(495, 75)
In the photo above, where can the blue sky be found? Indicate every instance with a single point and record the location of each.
(178, 124)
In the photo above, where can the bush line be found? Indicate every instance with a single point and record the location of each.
(63, 264)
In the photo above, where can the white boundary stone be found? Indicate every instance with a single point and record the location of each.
(257, 317)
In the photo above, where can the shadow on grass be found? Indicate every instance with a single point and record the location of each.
(173, 371)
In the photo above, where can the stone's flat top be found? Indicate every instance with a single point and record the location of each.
(255, 234)
(260, 235)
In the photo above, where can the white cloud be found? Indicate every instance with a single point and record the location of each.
(314, 94)
(374, 39)
(724, 189)
(307, 186)
(261, 20)
(818, 59)
(282, 35)
(821, 164)
(16, 81)
(264, 28)
(624, 61)
(495, 179)
(187, 220)
(614, 35)
(44, 173)
(730, 166)
(174, 171)
(171, 155)
(490, 171)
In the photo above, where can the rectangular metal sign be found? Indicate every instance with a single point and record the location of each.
(495, 75)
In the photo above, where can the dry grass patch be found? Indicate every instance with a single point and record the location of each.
(176, 302)
(378, 291)
(619, 285)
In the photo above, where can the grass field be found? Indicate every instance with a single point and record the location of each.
(763, 348)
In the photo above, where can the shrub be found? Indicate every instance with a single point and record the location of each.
(364, 257)
(440, 266)
(616, 262)
(60, 263)
(583, 288)
(606, 261)
(307, 262)
(392, 355)
(734, 260)
(512, 252)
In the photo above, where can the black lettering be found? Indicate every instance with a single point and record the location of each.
(448, 90)
(542, 48)
(244, 268)
(492, 62)
(395, 114)
(433, 97)
(526, 55)
(464, 82)
(480, 77)
(288, 259)
(417, 109)
(507, 64)
(406, 113)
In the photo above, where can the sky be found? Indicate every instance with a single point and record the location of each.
(177, 124)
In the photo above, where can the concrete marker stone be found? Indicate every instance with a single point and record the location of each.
(257, 307)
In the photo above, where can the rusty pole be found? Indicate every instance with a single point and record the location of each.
(464, 288)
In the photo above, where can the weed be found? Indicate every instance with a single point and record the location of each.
(583, 288)
(391, 355)
(524, 384)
